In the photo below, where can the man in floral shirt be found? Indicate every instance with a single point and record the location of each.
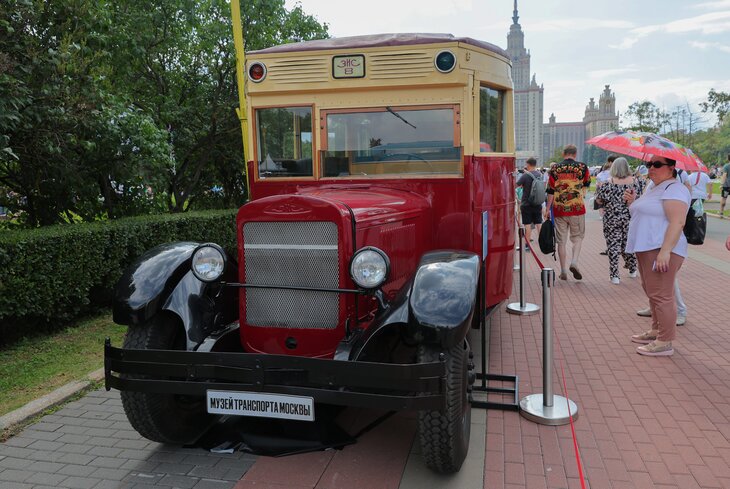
(569, 180)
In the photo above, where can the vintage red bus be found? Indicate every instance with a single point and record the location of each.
(380, 230)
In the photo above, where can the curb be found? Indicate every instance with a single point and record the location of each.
(37, 406)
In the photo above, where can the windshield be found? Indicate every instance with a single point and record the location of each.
(391, 140)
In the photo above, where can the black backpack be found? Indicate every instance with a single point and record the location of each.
(546, 240)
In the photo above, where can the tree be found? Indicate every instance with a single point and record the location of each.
(682, 124)
(557, 155)
(107, 106)
(718, 103)
(57, 110)
(593, 155)
(177, 58)
(644, 116)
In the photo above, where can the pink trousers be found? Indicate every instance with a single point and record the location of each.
(659, 287)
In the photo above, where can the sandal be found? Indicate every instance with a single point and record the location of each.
(644, 338)
(654, 350)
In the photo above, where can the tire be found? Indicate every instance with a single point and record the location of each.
(164, 418)
(444, 435)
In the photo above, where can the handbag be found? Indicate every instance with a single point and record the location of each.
(695, 226)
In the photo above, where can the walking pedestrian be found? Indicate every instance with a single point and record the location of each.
(701, 186)
(569, 180)
(616, 217)
(603, 176)
(725, 187)
(531, 212)
(655, 235)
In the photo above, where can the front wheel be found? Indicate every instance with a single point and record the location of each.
(164, 418)
(444, 435)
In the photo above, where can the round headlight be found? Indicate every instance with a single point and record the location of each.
(369, 267)
(445, 61)
(209, 261)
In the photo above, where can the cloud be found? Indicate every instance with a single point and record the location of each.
(612, 72)
(717, 5)
(578, 24)
(710, 45)
(711, 23)
(625, 44)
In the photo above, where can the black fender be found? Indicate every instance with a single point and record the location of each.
(161, 280)
(436, 306)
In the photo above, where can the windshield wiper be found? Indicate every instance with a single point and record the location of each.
(399, 117)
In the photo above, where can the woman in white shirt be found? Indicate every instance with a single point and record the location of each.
(701, 186)
(655, 235)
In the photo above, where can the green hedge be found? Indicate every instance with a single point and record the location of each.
(50, 276)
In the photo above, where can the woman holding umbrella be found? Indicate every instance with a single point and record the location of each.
(655, 235)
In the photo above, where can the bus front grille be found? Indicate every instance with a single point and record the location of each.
(300, 254)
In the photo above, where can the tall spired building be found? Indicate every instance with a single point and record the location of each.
(528, 96)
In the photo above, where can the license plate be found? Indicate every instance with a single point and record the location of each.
(261, 405)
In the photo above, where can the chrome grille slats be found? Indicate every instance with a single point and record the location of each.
(300, 254)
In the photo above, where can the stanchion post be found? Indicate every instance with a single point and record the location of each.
(546, 408)
(522, 308)
(520, 232)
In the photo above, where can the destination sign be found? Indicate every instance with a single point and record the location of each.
(352, 66)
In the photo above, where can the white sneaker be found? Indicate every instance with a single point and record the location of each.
(644, 312)
(633, 274)
(615, 280)
(681, 320)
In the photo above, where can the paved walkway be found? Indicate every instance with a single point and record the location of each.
(644, 422)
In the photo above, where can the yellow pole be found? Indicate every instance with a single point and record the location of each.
(241, 81)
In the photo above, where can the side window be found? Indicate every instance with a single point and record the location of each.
(284, 142)
(491, 120)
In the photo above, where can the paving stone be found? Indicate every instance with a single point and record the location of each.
(99, 441)
(75, 448)
(45, 445)
(210, 472)
(139, 465)
(108, 462)
(75, 458)
(144, 477)
(15, 475)
(107, 451)
(178, 481)
(19, 441)
(78, 470)
(46, 479)
(46, 425)
(14, 485)
(50, 467)
(111, 474)
(213, 484)
(13, 463)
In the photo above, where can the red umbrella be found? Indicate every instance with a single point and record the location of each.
(644, 145)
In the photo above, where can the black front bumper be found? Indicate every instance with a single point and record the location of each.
(359, 384)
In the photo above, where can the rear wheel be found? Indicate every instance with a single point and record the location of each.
(164, 418)
(444, 435)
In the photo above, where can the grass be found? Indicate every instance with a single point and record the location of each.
(36, 366)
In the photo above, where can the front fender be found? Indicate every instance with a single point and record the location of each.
(146, 285)
(161, 280)
(436, 306)
(444, 297)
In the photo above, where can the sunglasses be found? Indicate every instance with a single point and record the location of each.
(655, 164)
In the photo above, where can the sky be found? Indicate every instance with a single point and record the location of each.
(670, 52)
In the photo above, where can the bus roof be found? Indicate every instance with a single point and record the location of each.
(378, 40)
